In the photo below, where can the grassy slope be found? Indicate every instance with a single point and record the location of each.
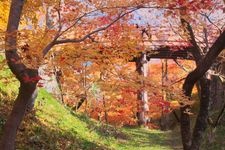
(52, 126)
(56, 127)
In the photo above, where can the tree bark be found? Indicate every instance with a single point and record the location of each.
(185, 128)
(219, 117)
(28, 78)
(16, 116)
(201, 122)
(203, 64)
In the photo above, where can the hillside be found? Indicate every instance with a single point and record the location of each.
(52, 126)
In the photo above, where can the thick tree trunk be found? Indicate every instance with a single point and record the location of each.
(185, 123)
(15, 118)
(201, 122)
(142, 69)
(193, 141)
(28, 78)
(219, 117)
(203, 64)
(217, 94)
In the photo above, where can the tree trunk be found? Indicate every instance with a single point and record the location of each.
(203, 64)
(105, 110)
(28, 78)
(216, 93)
(15, 118)
(201, 122)
(193, 142)
(185, 128)
(142, 69)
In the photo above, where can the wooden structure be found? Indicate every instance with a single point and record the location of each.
(165, 52)
(169, 53)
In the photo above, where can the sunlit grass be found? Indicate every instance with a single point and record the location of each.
(54, 126)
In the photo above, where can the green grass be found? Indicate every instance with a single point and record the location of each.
(8, 84)
(52, 126)
(56, 127)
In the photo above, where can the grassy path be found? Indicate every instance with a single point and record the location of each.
(51, 126)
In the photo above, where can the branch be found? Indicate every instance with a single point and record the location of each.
(76, 21)
(58, 34)
(196, 51)
(55, 41)
(177, 81)
(205, 63)
(93, 32)
(206, 40)
(95, 10)
(180, 65)
(63, 41)
(210, 21)
(12, 56)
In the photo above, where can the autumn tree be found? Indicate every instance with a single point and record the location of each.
(83, 25)
(205, 47)
(198, 51)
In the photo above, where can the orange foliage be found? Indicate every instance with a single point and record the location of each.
(94, 59)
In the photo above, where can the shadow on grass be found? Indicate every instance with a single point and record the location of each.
(35, 135)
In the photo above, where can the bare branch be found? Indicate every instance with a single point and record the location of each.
(196, 50)
(206, 62)
(180, 65)
(178, 81)
(210, 21)
(76, 21)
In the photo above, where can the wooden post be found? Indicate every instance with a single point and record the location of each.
(142, 96)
